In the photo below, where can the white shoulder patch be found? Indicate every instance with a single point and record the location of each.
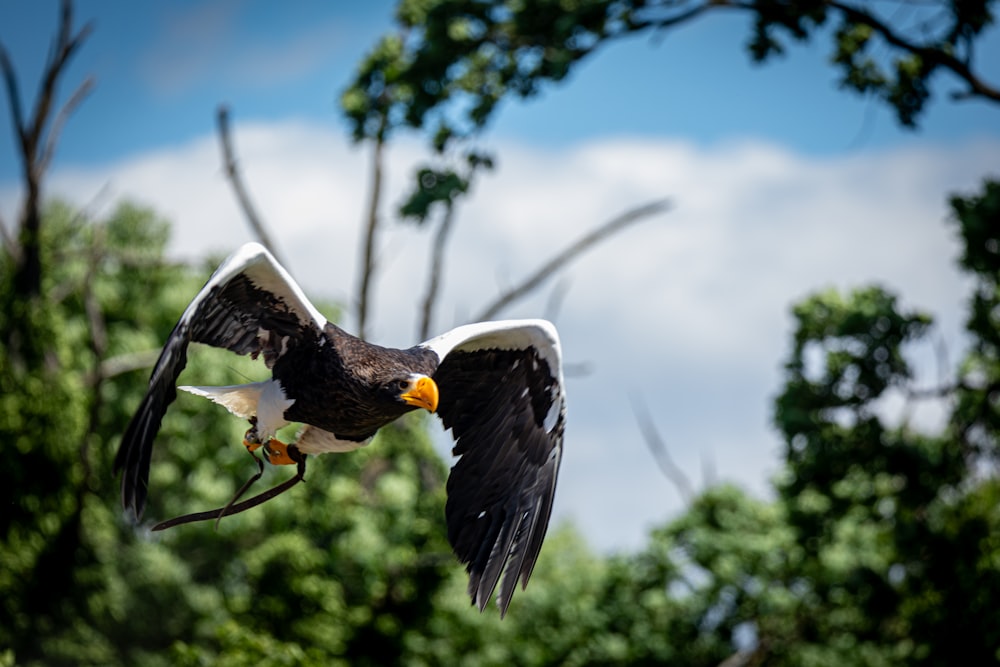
(263, 269)
(503, 335)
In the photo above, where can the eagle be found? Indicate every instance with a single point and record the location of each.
(497, 386)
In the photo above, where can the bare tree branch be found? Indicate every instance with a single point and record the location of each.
(13, 95)
(436, 269)
(929, 54)
(65, 112)
(660, 453)
(572, 252)
(936, 54)
(236, 180)
(685, 16)
(62, 51)
(30, 132)
(371, 232)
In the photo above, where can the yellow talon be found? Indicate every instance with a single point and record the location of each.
(251, 446)
(277, 453)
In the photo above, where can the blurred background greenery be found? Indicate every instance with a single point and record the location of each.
(881, 546)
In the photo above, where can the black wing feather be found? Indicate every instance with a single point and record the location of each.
(249, 306)
(501, 489)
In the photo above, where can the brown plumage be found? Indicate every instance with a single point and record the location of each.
(496, 385)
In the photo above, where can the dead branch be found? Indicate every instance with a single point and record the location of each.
(30, 132)
(371, 232)
(660, 453)
(236, 181)
(125, 363)
(13, 95)
(65, 112)
(940, 55)
(436, 269)
(935, 55)
(576, 249)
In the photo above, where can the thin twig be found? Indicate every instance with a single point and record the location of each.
(683, 17)
(660, 453)
(580, 246)
(13, 94)
(929, 54)
(436, 270)
(935, 55)
(62, 50)
(65, 112)
(236, 180)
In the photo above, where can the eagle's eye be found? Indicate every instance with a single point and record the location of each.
(402, 385)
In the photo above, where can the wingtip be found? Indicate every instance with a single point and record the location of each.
(133, 502)
(503, 605)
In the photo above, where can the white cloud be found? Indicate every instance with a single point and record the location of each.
(689, 309)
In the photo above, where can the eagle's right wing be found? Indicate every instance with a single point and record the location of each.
(250, 305)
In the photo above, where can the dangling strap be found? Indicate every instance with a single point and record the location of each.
(235, 508)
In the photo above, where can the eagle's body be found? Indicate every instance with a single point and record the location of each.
(321, 376)
(496, 385)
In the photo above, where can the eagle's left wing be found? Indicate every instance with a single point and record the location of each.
(501, 394)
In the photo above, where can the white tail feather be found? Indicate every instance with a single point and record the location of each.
(240, 399)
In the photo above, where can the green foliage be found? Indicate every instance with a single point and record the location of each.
(434, 187)
(450, 64)
(977, 417)
(345, 564)
(882, 546)
(53, 412)
(895, 525)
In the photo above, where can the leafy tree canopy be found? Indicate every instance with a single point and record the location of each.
(449, 63)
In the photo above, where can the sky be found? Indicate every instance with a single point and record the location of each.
(780, 185)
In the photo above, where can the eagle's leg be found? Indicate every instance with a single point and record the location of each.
(275, 450)
(251, 439)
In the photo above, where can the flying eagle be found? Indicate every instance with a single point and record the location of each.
(497, 385)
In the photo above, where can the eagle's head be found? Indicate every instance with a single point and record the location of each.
(414, 389)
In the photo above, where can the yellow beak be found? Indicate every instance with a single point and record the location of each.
(423, 393)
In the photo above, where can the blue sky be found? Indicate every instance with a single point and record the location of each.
(162, 68)
(781, 184)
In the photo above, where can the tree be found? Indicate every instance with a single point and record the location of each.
(882, 545)
(449, 64)
(850, 564)
(880, 548)
(345, 569)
